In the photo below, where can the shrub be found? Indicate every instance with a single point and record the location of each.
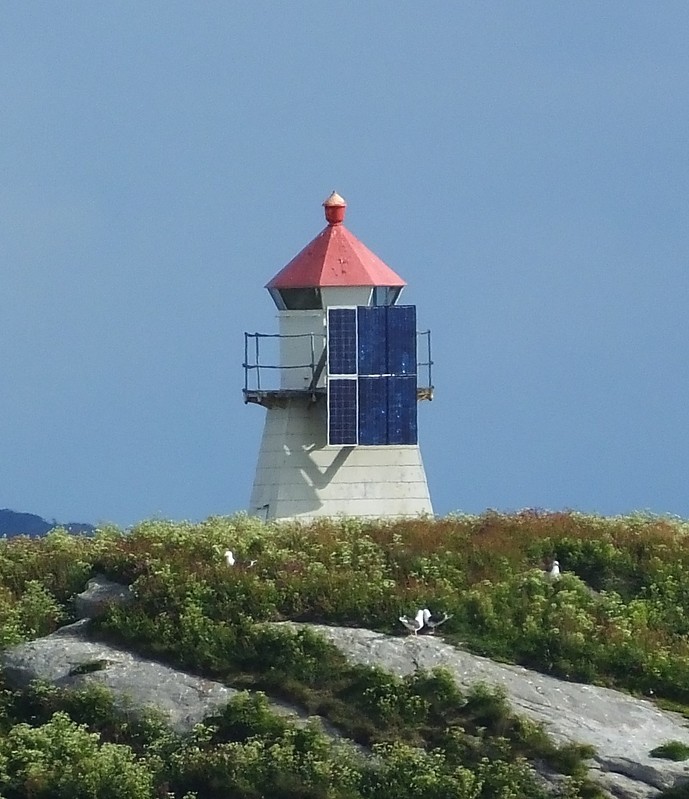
(671, 750)
(62, 760)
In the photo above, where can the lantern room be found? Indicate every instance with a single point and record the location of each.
(334, 269)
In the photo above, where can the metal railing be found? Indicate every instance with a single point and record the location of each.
(253, 367)
(428, 363)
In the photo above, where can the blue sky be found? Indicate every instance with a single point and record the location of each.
(523, 165)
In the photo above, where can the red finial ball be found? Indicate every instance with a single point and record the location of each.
(335, 208)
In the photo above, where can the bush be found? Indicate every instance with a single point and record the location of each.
(62, 760)
(671, 750)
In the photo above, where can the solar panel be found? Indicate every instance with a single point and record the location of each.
(401, 340)
(372, 335)
(373, 410)
(401, 417)
(342, 411)
(376, 347)
(342, 341)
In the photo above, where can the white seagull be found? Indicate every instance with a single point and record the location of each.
(231, 560)
(432, 621)
(554, 573)
(415, 624)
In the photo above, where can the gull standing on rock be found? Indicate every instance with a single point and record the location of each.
(415, 624)
(432, 621)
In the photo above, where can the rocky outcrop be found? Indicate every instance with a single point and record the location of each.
(67, 659)
(100, 593)
(622, 729)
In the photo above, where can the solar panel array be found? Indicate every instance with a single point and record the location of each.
(372, 375)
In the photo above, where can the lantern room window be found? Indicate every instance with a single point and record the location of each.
(305, 299)
(385, 295)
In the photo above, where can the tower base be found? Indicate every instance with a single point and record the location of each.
(299, 476)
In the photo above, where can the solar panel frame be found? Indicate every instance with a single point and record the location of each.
(343, 403)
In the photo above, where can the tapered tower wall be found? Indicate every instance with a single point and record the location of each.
(299, 476)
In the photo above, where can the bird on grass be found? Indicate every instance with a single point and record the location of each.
(413, 624)
(432, 621)
(231, 560)
(554, 572)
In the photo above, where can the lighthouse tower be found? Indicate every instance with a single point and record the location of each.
(340, 382)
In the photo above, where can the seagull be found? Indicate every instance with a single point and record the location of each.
(432, 621)
(554, 573)
(231, 560)
(415, 624)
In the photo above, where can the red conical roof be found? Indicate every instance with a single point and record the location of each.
(335, 257)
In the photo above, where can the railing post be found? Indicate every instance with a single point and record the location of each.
(246, 361)
(258, 368)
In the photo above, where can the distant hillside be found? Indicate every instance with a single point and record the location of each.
(13, 523)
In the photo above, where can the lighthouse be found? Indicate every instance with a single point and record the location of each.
(340, 382)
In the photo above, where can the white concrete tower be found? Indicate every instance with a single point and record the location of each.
(340, 435)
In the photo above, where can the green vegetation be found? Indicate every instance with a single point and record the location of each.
(619, 616)
(671, 750)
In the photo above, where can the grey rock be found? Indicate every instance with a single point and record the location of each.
(99, 595)
(622, 729)
(620, 786)
(66, 658)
